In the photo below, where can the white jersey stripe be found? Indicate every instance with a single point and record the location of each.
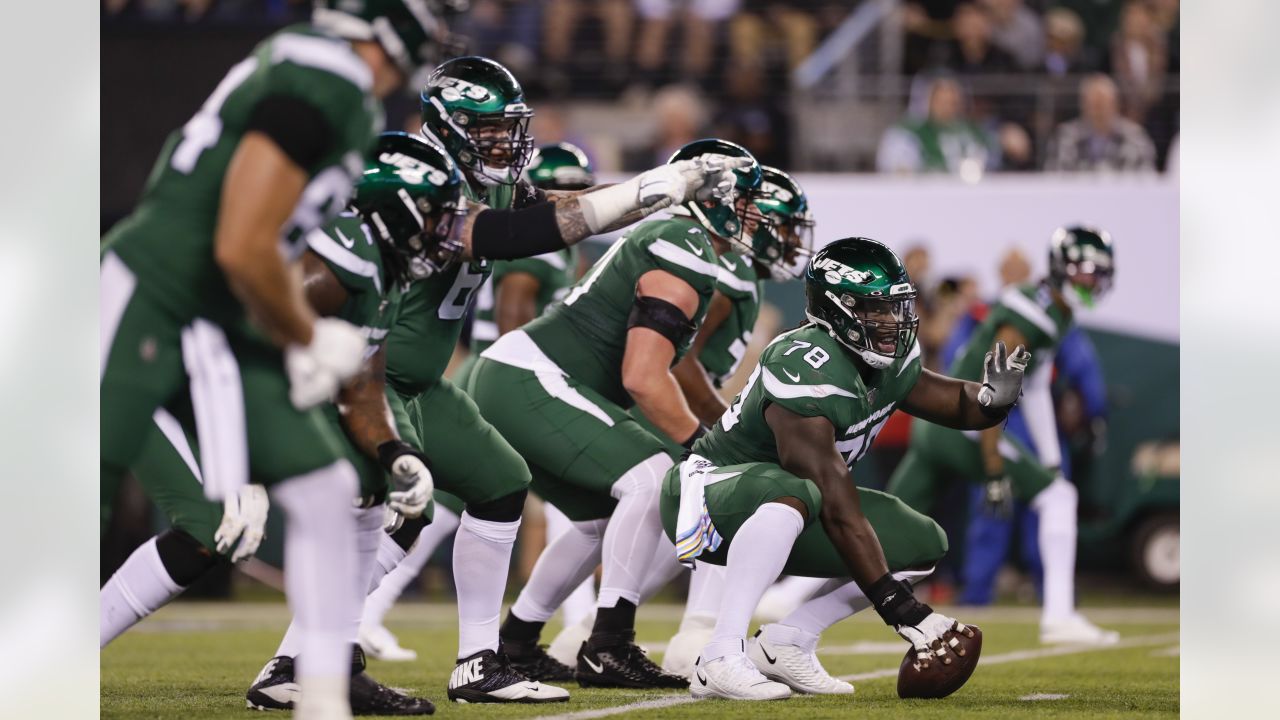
(743, 286)
(683, 258)
(325, 54)
(217, 397)
(330, 250)
(517, 349)
(172, 431)
(1021, 304)
(786, 391)
(116, 284)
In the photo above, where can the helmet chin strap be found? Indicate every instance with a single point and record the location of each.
(875, 360)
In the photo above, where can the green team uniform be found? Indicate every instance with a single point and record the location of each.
(937, 453)
(158, 273)
(554, 388)
(470, 462)
(168, 467)
(555, 273)
(809, 373)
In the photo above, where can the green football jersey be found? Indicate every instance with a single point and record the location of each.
(807, 372)
(1030, 309)
(555, 272)
(586, 333)
(168, 240)
(349, 250)
(737, 281)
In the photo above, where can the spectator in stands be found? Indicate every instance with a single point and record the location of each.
(1065, 53)
(766, 26)
(1017, 30)
(942, 141)
(700, 21)
(926, 26)
(681, 118)
(1100, 139)
(752, 117)
(972, 52)
(505, 30)
(1139, 58)
(561, 19)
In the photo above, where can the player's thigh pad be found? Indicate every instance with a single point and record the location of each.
(469, 457)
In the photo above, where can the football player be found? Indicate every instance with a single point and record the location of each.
(768, 490)
(559, 390)
(519, 291)
(272, 154)
(1081, 266)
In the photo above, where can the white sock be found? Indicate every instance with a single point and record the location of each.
(321, 571)
(405, 567)
(390, 555)
(759, 552)
(581, 603)
(836, 600)
(1056, 506)
(481, 559)
(663, 568)
(140, 587)
(633, 532)
(560, 569)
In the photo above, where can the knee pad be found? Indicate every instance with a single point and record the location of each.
(507, 508)
(184, 557)
(593, 529)
(643, 478)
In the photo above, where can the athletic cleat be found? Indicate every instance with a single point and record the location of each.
(275, 687)
(1075, 629)
(381, 644)
(733, 677)
(370, 697)
(487, 677)
(795, 666)
(533, 661)
(567, 644)
(616, 661)
(682, 652)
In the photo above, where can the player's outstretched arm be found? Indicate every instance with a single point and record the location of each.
(698, 389)
(966, 405)
(660, 322)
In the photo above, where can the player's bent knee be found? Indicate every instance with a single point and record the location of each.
(645, 478)
(507, 508)
(796, 504)
(184, 558)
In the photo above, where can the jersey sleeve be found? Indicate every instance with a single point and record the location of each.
(793, 375)
(1015, 308)
(350, 253)
(685, 252)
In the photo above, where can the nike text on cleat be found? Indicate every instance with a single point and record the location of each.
(616, 661)
(794, 665)
(274, 688)
(734, 677)
(487, 677)
(532, 661)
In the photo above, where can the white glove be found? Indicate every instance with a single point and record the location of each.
(718, 178)
(316, 371)
(391, 520)
(411, 478)
(930, 629)
(244, 517)
(1002, 377)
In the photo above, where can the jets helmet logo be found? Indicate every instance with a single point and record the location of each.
(412, 169)
(456, 89)
(837, 272)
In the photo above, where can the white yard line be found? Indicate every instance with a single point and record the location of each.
(1009, 657)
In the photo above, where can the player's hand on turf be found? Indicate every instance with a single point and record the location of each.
(316, 371)
(244, 518)
(923, 634)
(391, 519)
(1002, 376)
(997, 498)
(410, 476)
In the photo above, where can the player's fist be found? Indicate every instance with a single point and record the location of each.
(316, 371)
(409, 475)
(943, 654)
(244, 518)
(719, 180)
(1002, 376)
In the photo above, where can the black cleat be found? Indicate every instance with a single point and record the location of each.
(274, 688)
(616, 661)
(487, 677)
(532, 661)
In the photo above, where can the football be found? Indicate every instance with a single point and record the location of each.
(945, 668)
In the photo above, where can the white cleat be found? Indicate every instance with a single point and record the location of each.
(380, 644)
(564, 648)
(794, 664)
(733, 677)
(682, 652)
(1075, 629)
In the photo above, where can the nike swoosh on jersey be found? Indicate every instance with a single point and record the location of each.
(794, 378)
(694, 248)
(728, 263)
(598, 668)
(346, 241)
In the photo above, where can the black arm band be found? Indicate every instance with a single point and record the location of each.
(514, 234)
(896, 603)
(662, 317)
(392, 449)
(688, 444)
(295, 125)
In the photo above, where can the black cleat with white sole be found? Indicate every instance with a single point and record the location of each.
(488, 677)
(615, 661)
(275, 688)
(533, 661)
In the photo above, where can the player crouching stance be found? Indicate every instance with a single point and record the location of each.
(748, 494)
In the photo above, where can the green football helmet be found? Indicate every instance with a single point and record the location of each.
(562, 166)
(475, 108)
(727, 221)
(858, 290)
(408, 31)
(783, 245)
(1081, 264)
(411, 195)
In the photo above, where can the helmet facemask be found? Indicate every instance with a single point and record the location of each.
(440, 247)
(879, 330)
(494, 147)
(784, 245)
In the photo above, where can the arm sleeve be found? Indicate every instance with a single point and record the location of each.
(512, 234)
(1037, 410)
(295, 125)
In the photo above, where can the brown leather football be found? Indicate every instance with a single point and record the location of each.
(944, 668)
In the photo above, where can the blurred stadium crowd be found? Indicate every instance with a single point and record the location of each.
(921, 86)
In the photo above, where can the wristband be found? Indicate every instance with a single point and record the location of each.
(392, 449)
(895, 602)
(697, 433)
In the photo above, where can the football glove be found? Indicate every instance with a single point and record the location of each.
(410, 477)
(1002, 377)
(244, 518)
(997, 497)
(923, 634)
(316, 371)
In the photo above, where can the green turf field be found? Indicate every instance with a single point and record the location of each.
(195, 660)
